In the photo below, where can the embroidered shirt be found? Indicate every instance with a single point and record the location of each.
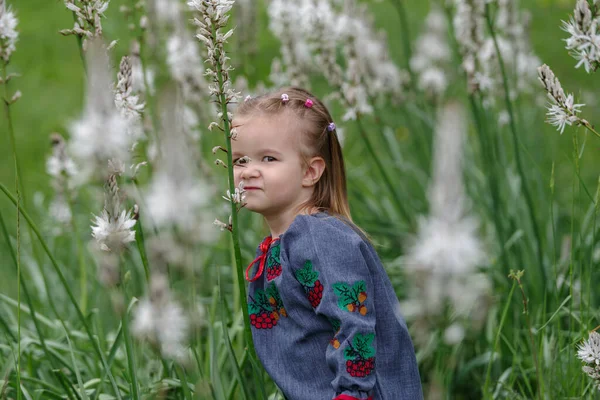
(325, 318)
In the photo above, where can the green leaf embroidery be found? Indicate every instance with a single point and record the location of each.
(345, 294)
(273, 258)
(359, 287)
(335, 323)
(307, 276)
(253, 308)
(363, 344)
(273, 292)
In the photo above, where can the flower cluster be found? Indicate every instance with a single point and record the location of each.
(113, 228)
(584, 42)
(315, 33)
(126, 102)
(480, 59)
(212, 17)
(432, 55)
(101, 133)
(443, 261)
(8, 31)
(589, 353)
(88, 14)
(160, 320)
(177, 197)
(562, 110)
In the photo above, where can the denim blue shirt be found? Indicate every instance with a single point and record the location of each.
(325, 318)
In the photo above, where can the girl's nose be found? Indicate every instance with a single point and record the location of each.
(249, 171)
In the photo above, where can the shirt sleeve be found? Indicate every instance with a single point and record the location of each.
(337, 281)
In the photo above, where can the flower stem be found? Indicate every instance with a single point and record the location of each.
(517, 275)
(11, 135)
(496, 340)
(234, 212)
(513, 129)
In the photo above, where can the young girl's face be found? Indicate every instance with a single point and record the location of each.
(274, 178)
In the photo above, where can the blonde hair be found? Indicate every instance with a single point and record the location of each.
(330, 193)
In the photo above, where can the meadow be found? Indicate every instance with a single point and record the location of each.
(122, 248)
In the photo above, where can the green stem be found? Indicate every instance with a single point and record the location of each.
(129, 350)
(487, 159)
(67, 289)
(234, 212)
(405, 38)
(513, 129)
(496, 340)
(11, 135)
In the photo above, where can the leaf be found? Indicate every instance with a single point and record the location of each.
(253, 308)
(261, 299)
(273, 292)
(274, 256)
(335, 323)
(363, 344)
(359, 287)
(350, 354)
(307, 276)
(345, 294)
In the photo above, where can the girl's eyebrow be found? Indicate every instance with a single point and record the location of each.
(266, 150)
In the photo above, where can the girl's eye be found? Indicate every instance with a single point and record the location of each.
(240, 161)
(269, 158)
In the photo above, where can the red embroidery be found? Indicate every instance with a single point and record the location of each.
(346, 397)
(264, 248)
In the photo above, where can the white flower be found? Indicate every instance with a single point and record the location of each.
(101, 133)
(589, 350)
(239, 194)
(161, 320)
(8, 31)
(584, 42)
(562, 109)
(113, 233)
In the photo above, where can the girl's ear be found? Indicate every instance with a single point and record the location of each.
(314, 170)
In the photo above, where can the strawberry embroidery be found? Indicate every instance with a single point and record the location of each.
(266, 308)
(309, 279)
(351, 298)
(360, 355)
(273, 263)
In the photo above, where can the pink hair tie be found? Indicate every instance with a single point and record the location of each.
(308, 103)
(285, 98)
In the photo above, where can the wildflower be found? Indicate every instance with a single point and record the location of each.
(113, 228)
(584, 42)
(562, 110)
(8, 31)
(126, 102)
(101, 133)
(161, 321)
(177, 196)
(469, 21)
(88, 14)
(589, 353)
(443, 261)
(432, 54)
(212, 18)
(238, 196)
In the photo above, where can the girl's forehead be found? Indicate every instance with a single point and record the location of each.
(270, 130)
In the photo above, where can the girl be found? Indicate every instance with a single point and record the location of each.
(324, 315)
